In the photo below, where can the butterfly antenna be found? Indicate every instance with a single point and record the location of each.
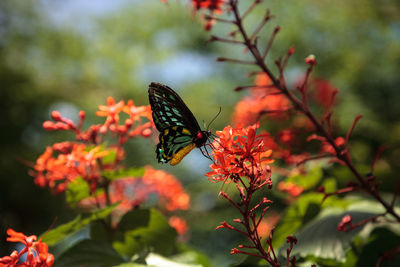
(219, 112)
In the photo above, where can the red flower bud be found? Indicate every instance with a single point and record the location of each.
(56, 115)
(321, 189)
(49, 126)
(146, 132)
(128, 123)
(82, 114)
(310, 60)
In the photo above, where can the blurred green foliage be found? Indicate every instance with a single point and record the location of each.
(75, 62)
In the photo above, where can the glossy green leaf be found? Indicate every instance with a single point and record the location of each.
(144, 230)
(90, 253)
(320, 237)
(56, 235)
(300, 212)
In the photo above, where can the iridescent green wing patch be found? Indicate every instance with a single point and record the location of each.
(169, 109)
(172, 140)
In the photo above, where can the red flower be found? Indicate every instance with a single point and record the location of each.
(73, 160)
(263, 99)
(179, 224)
(133, 191)
(290, 188)
(37, 252)
(212, 5)
(346, 224)
(240, 152)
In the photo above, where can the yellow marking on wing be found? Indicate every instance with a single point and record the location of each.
(174, 128)
(165, 156)
(186, 131)
(166, 132)
(181, 154)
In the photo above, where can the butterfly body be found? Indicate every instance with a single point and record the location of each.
(179, 131)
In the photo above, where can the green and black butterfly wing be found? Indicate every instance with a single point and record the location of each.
(179, 130)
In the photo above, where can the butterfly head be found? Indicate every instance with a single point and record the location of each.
(201, 138)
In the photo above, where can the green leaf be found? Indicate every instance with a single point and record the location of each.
(144, 229)
(124, 173)
(110, 157)
(90, 253)
(300, 212)
(308, 180)
(56, 235)
(321, 239)
(77, 190)
(382, 241)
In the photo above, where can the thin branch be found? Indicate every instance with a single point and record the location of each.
(270, 41)
(253, 5)
(222, 59)
(350, 131)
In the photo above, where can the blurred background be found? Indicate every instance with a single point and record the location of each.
(71, 55)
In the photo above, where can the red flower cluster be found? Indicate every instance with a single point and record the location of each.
(240, 152)
(133, 191)
(132, 126)
(63, 162)
(37, 252)
(66, 161)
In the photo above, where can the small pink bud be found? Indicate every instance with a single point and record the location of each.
(235, 251)
(128, 123)
(310, 60)
(56, 115)
(146, 132)
(291, 50)
(49, 126)
(277, 29)
(82, 114)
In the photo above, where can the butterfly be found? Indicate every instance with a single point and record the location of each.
(179, 131)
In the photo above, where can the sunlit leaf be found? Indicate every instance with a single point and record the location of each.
(160, 261)
(308, 180)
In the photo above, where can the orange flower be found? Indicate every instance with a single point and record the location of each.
(179, 224)
(132, 192)
(239, 152)
(37, 252)
(73, 160)
(267, 224)
(212, 5)
(263, 99)
(290, 188)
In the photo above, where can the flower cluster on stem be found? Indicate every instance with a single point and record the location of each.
(37, 252)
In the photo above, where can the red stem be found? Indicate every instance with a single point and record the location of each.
(300, 106)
